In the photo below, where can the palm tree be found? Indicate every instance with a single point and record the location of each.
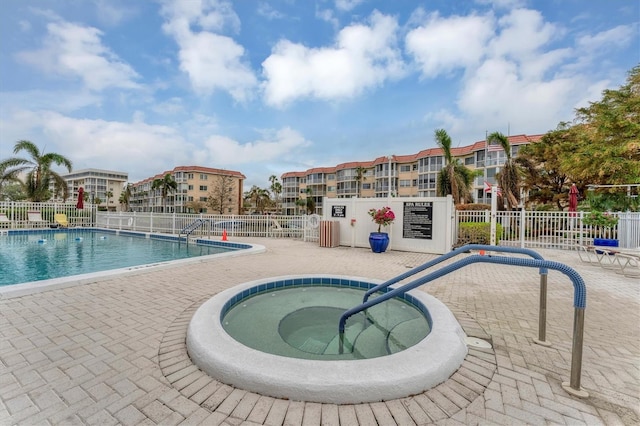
(260, 197)
(125, 196)
(38, 170)
(108, 195)
(307, 203)
(454, 179)
(276, 188)
(360, 171)
(509, 176)
(166, 185)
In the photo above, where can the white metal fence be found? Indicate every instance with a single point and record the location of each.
(211, 225)
(531, 229)
(539, 229)
(17, 214)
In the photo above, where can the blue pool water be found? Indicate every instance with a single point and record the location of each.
(41, 255)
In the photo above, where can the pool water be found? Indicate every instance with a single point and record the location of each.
(42, 255)
(302, 322)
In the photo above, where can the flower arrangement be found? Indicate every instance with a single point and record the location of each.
(383, 216)
(596, 218)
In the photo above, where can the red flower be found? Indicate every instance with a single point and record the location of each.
(382, 217)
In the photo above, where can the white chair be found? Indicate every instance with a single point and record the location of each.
(35, 218)
(630, 265)
(276, 229)
(4, 221)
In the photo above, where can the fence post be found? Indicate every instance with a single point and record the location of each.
(523, 225)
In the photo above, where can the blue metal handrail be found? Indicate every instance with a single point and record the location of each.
(578, 283)
(579, 302)
(453, 253)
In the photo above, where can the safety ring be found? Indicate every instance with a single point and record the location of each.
(313, 221)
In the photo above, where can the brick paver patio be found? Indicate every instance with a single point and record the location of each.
(113, 351)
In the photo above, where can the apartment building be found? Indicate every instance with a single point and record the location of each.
(99, 185)
(413, 175)
(195, 184)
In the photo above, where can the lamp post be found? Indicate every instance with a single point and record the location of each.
(390, 157)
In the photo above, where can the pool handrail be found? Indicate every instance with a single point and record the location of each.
(579, 302)
(187, 230)
(446, 256)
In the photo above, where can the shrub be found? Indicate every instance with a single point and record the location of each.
(477, 233)
(473, 206)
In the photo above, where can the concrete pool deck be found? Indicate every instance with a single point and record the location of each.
(113, 352)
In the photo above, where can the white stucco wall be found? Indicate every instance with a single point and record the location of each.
(356, 234)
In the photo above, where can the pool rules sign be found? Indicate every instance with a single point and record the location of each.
(417, 220)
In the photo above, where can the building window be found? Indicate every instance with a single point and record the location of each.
(469, 161)
(190, 187)
(405, 168)
(203, 187)
(204, 199)
(405, 183)
(190, 176)
(366, 186)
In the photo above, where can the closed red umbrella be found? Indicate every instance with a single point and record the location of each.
(80, 203)
(573, 200)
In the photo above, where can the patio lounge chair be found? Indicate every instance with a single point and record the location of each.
(35, 218)
(588, 254)
(61, 219)
(276, 229)
(4, 221)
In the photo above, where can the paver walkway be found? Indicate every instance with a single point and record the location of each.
(112, 352)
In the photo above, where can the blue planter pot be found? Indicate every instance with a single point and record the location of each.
(378, 241)
(606, 242)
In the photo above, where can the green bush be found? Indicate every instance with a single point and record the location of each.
(473, 207)
(477, 233)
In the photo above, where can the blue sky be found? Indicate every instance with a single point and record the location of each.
(267, 87)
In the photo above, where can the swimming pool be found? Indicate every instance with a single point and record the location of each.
(44, 256)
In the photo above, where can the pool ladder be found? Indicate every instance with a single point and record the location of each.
(192, 227)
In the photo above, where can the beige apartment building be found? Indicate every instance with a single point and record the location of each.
(413, 175)
(98, 185)
(195, 184)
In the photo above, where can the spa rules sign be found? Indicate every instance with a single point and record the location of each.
(417, 220)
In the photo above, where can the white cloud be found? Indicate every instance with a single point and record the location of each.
(266, 10)
(364, 56)
(497, 94)
(111, 13)
(443, 44)
(347, 5)
(212, 61)
(282, 144)
(523, 32)
(619, 36)
(138, 148)
(75, 51)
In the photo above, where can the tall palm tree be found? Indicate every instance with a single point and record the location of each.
(166, 185)
(276, 188)
(509, 176)
(454, 178)
(125, 196)
(38, 170)
(360, 171)
(108, 195)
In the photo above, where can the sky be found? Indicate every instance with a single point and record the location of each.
(268, 87)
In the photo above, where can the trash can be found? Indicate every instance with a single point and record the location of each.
(329, 233)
